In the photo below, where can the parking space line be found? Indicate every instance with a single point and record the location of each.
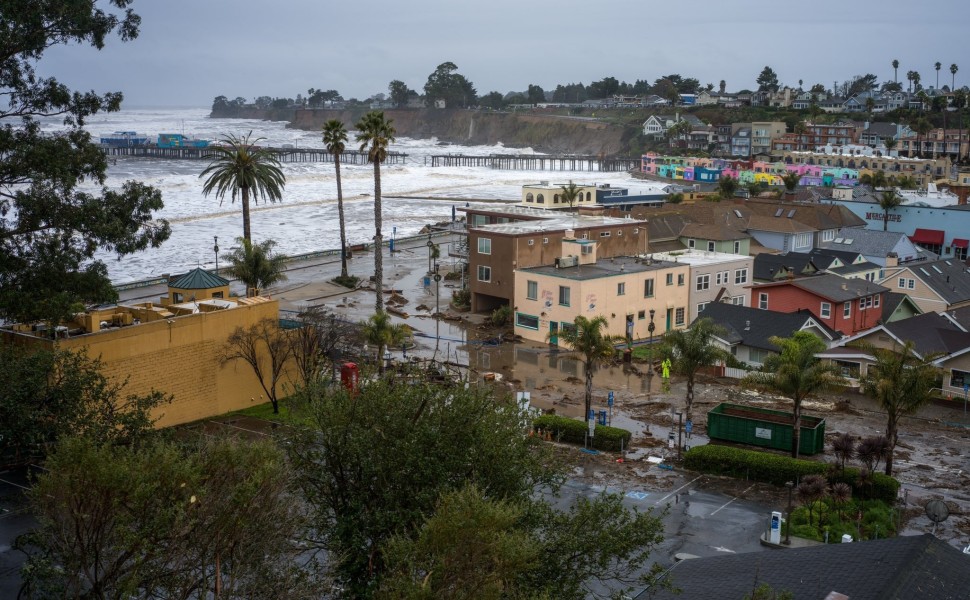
(678, 489)
(23, 487)
(731, 500)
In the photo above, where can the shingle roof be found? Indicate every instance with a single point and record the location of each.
(712, 232)
(948, 278)
(825, 255)
(197, 279)
(866, 241)
(931, 333)
(900, 568)
(771, 267)
(838, 289)
(752, 326)
(892, 300)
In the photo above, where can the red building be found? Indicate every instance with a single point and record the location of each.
(846, 305)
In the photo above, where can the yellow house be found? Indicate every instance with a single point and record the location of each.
(623, 289)
(174, 348)
(549, 195)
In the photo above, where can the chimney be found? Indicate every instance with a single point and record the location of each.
(892, 259)
(569, 235)
(845, 287)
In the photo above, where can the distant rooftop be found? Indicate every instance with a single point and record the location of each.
(555, 222)
(198, 279)
(699, 257)
(604, 267)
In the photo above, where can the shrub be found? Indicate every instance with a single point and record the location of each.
(350, 281)
(502, 316)
(461, 298)
(776, 469)
(574, 431)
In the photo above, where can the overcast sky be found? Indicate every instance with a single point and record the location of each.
(190, 51)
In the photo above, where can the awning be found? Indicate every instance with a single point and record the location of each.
(928, 236)
(958, 243)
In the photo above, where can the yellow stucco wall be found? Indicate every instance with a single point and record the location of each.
(180, 356)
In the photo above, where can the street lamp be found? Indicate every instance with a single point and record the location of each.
(790, 485)
(680, 421)
(650, 328)
(216, 250)
(437, 310)
(430, 246)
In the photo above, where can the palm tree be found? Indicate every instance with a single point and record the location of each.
(938, 66)
(889, 200)
(380, 331)
(727, 186)
(896, 70)
(256, 265)
(910, 76)
(795, 372)
(916, 80)
(335, 139)
(570, 193)
(891, 144)
(242, 168)
(791, 180)
(922, 126)
(691, 349)
(953, 77)
(901, 381)
(586, 338)
(375, 134)
(960, 102)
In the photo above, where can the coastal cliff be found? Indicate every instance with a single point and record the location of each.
(555, 134)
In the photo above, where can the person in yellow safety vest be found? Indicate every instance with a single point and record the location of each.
(665, 368)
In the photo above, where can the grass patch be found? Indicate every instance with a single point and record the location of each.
(291, 413)
(878, 521)
(350, 281)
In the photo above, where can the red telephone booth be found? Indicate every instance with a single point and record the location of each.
(350, 376)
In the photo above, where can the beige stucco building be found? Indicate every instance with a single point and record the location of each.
(548, 195)
(622, 289)
(714, 277)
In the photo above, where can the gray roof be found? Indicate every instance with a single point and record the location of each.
(931, 333)
(825, 255)
(853, 268)
(892, 300)
(838, 289)
(901, 568)
(869, 242)
(197, 279)
(604, 267)
(947, 277)
(768, 266)
(753, 326)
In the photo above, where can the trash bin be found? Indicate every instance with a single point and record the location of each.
(602, 419)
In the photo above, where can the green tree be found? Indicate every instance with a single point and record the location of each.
(335, 139)
(795, 372)
(256, 265)
(375, 134)
(891, 144)
(49, 229)
(49, 394)
(766, 592)
(586, 338)
(493, 100)
(374, 464)
(791, 180)
(242, 168)
(159, 521)
(938, 65)
(921, 126)
(768, 80)
(727, 186)
(674, 198)
(380, 331)
(691, 349)
(888, 200)
(901, 381)
(570, 193)
(535, 94)
(895, 70)
(448, 85)
(399, 93)
(953, 77)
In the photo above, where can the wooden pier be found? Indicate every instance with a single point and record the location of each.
(284, 155)
(512, 162)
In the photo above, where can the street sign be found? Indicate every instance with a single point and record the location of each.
(592, 427)
(689, 426)
(609, 399)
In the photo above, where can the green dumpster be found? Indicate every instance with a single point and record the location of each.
(764, 427)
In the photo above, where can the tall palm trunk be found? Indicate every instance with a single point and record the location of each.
(589, 392)
(892, 434)
(885, 220)
(796, 429)
(340, 214)
(378, 239)
(690, 396)
(245, 206)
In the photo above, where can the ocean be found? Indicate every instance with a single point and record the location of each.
(306, 219)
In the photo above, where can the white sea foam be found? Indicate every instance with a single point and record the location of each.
(306, 220)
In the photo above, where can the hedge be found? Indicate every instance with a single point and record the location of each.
(573, 431)
(775, 469)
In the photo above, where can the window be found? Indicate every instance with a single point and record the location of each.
(670, 279)
(604, 234)
(738, 300)
(875, 300)
(587, 249)
(690, 243)
(585, 236)
(757, 356)
(763, 301)
(722, 278)
(484, 273)
(680, 279)
(217, 294)
(679, 316)
(737, 247)
(803, 240)
(648, 288)
(545, 240)
(621, 289)
(642, 315)
(176, 297)
(902, 283)
(828, 235)
(527, 321)
(702, 306)
(703, 282)
(540, 199)
(528, 197)
(910, 284)
(563, 295)
(532, 290)
(710, 246)
(825, 310)
(958, 379)
(847, 309)
(484, 246)
(532, 242)
(740, 276)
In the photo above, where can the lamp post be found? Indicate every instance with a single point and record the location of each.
(430, 245)
(437, 310)
(680, 421)
(650, 329)
(790, 485)
(216, 250)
